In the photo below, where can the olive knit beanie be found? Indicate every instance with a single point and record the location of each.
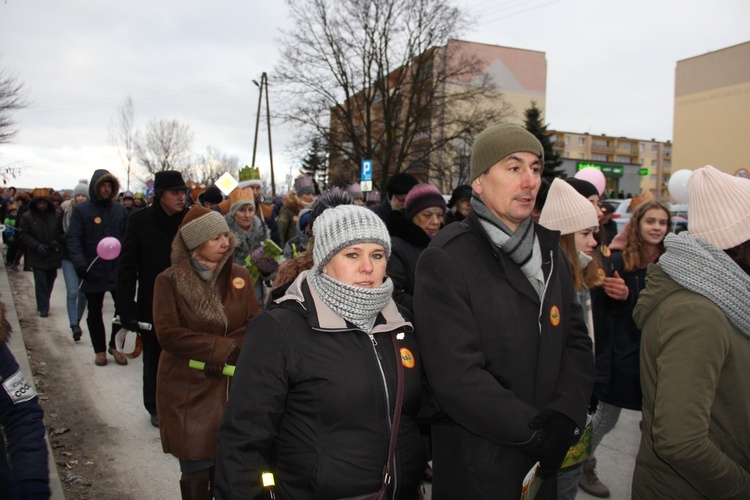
(498, 141)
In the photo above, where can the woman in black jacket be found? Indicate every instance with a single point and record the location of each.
(316, 384)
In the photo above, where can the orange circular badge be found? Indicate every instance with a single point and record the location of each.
(407, 358)
(238, 283)
(97, 220)
(605, 251)
(554, 316)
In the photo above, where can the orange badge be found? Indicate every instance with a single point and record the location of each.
(601, 275)
(97, 220)
(554, 316)
(605, 251)
(238, 283)
(407, 358)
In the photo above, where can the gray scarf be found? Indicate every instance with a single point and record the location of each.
(357, 305)
(522, 246)
(704, 269)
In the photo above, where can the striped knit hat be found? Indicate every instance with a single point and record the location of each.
(345, 225)
(719, 209)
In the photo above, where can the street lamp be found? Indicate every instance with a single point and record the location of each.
(264, 84)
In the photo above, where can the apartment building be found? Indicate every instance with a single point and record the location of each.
(630, 165)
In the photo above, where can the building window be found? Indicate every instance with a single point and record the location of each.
(642, 147)
(667, 164)
(597, 157)
(567, 140)
(654, 148)
(627, 146)
(581, 156)
(581, 141)
(622, 159)
(653, 177)
(567, 154)
(601, 142)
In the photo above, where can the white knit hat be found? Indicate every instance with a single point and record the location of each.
(345, 225)
(719, 209)
(566, 210)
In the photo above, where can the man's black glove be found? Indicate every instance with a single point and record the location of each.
(556, 437)
(213, 371)
(82, 273)
(42, 250)
(55, 246)
(130, 324)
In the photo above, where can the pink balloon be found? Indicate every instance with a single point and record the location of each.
(594, 176)
(108, 248)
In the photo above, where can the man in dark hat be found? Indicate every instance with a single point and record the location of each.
(146, 251)
(607, 223)
(211, 197)
(397, 188)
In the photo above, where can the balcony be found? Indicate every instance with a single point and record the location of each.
(602, 149)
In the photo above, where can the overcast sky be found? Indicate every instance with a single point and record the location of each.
(610, 69)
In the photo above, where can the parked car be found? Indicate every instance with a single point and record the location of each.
(679, 212)
(622, 212)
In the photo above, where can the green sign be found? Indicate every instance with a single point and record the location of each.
(608, 169)
(644, 172)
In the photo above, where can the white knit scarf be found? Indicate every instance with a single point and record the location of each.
(358, 305)
(704, 269)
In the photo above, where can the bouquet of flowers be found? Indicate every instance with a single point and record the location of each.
(264, 260)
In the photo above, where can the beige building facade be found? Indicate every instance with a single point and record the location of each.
(712, 111)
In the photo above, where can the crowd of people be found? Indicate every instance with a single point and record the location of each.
(355, 351)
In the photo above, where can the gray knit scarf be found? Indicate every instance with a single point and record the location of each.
(359, 306)
(704, 269)
(521, 246)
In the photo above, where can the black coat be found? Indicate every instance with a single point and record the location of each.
(42, 228)
(618, 360)
(408, 241)
(146, 252)
(90, 222)
(311, 401)
(496, 357)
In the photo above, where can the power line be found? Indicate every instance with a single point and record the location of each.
(518, 12)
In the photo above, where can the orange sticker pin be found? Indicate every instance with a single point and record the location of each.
(238, 283)
(407, 358)
(97, 220)
(554, 316)
(605, 251)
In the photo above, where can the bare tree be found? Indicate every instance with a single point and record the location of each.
(122, 135)
(212, 164)
(165, 145)
(383, 80)
(11, 99)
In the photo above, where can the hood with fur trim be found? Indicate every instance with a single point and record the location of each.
(100, 176)
(200, 295)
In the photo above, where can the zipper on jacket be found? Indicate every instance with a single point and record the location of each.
(544, 291)
(394, 478)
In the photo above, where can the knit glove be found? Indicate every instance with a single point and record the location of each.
(555, 438)
(213, 371)
(55, 246)
(42, 250)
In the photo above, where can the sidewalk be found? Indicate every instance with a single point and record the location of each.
(18, 349)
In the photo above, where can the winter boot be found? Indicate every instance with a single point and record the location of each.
(590, 481)
(196, 486)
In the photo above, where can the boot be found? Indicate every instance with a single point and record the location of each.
(590, 481)
(196, 486)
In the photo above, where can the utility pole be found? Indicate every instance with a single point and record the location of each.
(264, 84)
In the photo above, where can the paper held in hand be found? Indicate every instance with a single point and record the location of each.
(531, 483)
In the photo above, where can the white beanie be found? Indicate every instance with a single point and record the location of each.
(566, 210)
(719, 207)
(345, 225)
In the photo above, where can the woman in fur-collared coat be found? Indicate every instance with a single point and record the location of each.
(201, 306)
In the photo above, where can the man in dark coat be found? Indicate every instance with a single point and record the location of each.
(91, 221)
(146, 252)
(505, 349)
(397, 188)
(41, 233)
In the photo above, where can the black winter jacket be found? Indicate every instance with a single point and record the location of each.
(90, 222)
(495, 357)
(309, 403)
(408, 241)
(146, 251)
(42, 228)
